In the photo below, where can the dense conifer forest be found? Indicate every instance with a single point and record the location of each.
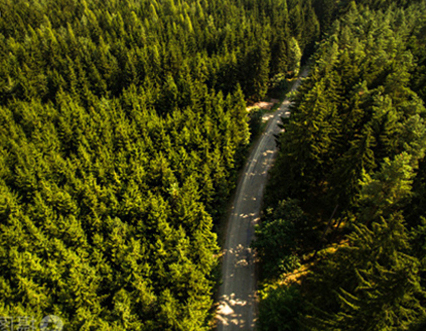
(122, 127)
(343, 237)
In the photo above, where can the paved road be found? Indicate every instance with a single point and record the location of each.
(237, 295)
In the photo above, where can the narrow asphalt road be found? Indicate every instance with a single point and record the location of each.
(237, 308)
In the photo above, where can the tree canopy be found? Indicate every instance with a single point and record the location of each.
(352, 158)
(122, 126)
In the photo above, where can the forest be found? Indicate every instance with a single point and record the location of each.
(343, 237)
(122, 127)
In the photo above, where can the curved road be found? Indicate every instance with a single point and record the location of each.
(237, 295)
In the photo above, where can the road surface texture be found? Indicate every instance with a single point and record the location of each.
(237, 308)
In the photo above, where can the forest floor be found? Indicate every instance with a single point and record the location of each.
(237, 307)
(266, 105)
